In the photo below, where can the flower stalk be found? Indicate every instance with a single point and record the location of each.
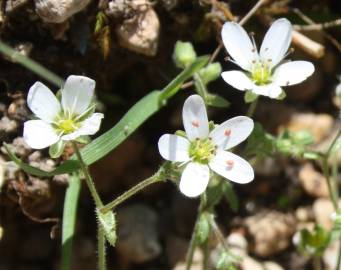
(157, 177)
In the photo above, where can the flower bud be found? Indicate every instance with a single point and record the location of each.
(184, 54)
(210, 73)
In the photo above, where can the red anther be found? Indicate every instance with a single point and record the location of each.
(195, 123)
(227, 132)
(253, 50)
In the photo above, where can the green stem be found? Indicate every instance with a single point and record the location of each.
(98, 203)
(332, 194)
(88, 178)
(157, 177)
(192, 243)
(206, 255)
(102, 265)
(317, 263)
(252, 108)
(339, 257)
(190, 251)
(333, 143)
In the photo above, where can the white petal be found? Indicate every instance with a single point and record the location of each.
(293, 72)
(238, 44)
(232, 167)
(276, 41)
(232, 132)
(89, 127)
(39, 134)
(271, 90)
(43, 102)
(194, 179)
(195, 118)
(174, 148)
(77, 94)
(237, 79)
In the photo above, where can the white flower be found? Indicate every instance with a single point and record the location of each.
(65, 120)
(265, 74)
(203, 150)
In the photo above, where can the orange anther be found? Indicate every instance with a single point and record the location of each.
(195, 123)
(227, 132)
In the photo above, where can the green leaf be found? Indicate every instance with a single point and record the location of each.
(216, 101)
(69, 219)
(173, 87)
(108, 222)
(66, 167)
(200, 87)
(56, 150)
(250, 97)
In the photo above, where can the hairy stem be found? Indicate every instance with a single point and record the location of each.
(88, 178)
(101, 248)
(157, 177)
(252, 108)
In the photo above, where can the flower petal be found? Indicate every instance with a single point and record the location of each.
(270, 90)
(195, 118)
(194, 179)
(293, 72)
(77, 94)
(42, 102)
(232, 132)
(238, 44)
(276, 41)
(237, 79)
(89, 127)
(39, 134)
(174, 148)
(232, 167)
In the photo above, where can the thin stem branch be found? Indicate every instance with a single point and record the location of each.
(330, 148)
(311, 22)
(206, 255)
(157, 177)
(318, 26)
(325, 169)
(88, 178)
(251, 12)
(102, 265)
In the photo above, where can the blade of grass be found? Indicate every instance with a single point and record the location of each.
(69, 219)
(25, 61)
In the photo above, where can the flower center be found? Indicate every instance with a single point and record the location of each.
(67, 126)
(202, 151)
(261, 72)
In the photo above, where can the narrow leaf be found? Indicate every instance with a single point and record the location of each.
(173, 87)
(69, 219)
(66, 167)
(17, 57)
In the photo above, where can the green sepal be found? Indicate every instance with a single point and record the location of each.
(108, 222)
(225, 261)
(281, 96)
(250, 96)
(216, 101)
(230, 196)
(57, 149)
(181, 133)
(210, 73)
(203, 228)
(84, 139)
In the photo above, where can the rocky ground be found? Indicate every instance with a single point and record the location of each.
(126, 46)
